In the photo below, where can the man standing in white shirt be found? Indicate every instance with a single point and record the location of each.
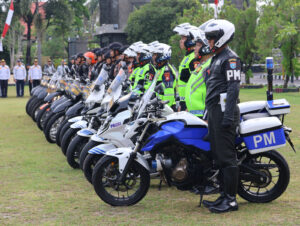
(35, 74)
(4, 76)
(19, 78)
(63, 68)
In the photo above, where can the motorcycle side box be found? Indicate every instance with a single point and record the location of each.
(262, 134)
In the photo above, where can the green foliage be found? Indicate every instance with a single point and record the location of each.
(153, 20)
(279, 28)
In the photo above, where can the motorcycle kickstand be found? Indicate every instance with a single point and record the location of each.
(160, 184)
(201, 192)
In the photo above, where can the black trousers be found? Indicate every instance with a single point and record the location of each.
(30, 87)
(222, 141)
(35, 82)
(3, 87)
(20, 87)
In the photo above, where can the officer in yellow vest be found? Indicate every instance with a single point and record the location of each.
(195, 92)
(186, 66)
(166, 73)
(147, 71)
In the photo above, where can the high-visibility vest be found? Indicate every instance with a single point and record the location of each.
(168, 81)
(140, 75)
(149, 76)
(134, 73)
(184, 65)
(195, 91)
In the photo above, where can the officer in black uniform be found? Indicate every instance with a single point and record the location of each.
(223, 113)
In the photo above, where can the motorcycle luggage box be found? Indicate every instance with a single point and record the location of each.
(262, 134)
(278, 107)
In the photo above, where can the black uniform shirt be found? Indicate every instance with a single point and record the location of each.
(225, 76)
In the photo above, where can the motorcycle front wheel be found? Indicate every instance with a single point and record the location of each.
(106, 185)
(276, 176)
(74, 149)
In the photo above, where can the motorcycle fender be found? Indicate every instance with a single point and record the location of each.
(102, 149)
(75, 109)
(122, 154)
(50, 96)
(75, 119)
(79, 125)
(63, 106)
(86, 132)
(97, 138)
(42, 95)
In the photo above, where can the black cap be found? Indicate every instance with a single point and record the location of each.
(115, 46)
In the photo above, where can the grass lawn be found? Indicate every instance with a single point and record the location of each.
(37, 186)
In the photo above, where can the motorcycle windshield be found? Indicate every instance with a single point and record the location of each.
(103, 76)
(147, 96)
(119, 79)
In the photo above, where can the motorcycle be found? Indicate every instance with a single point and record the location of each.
(181, 154)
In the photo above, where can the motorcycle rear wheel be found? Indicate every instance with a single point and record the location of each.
(276, 170)
(105, 176)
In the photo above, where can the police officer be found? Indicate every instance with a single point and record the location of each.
(4, 76)
(147, 70)
(35, 74)
(186, 66)
(166, 73)
(19, 72)
(135, 64)
(223, 113)
(63, 69)
(195, 91)
(49, 67)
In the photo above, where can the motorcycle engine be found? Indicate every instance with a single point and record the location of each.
(180, 173)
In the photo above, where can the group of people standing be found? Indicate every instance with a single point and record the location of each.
(206, 85)
(33, 74)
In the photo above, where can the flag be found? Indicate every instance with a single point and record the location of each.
(8, 19)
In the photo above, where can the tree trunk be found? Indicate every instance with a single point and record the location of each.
(286, 81)
(28, 50)
(39, 47)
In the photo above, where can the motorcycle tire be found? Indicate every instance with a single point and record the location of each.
(61, 126)
(50, 129)
(29, 102)
(35, 108)
(73, 152)
(85, 151)
(40, 117)
(89, 165)
(100, 185)
(65, 141)
(32, 103)
(278, 188)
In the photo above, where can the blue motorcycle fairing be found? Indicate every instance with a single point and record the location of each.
(50, 96)
(75, 109)
(187, 135)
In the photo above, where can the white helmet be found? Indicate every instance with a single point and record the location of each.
(222, 31)
(152, 45)
(164, 52)
(143, 50)
(130, 53)
(181, 29)
(198, 35)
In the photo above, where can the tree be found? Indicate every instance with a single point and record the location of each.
(24, 11)
(244, 42)
(279, 28)
(153, 20)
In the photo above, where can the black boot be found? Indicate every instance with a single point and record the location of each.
(228, 203)
(209, 204)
